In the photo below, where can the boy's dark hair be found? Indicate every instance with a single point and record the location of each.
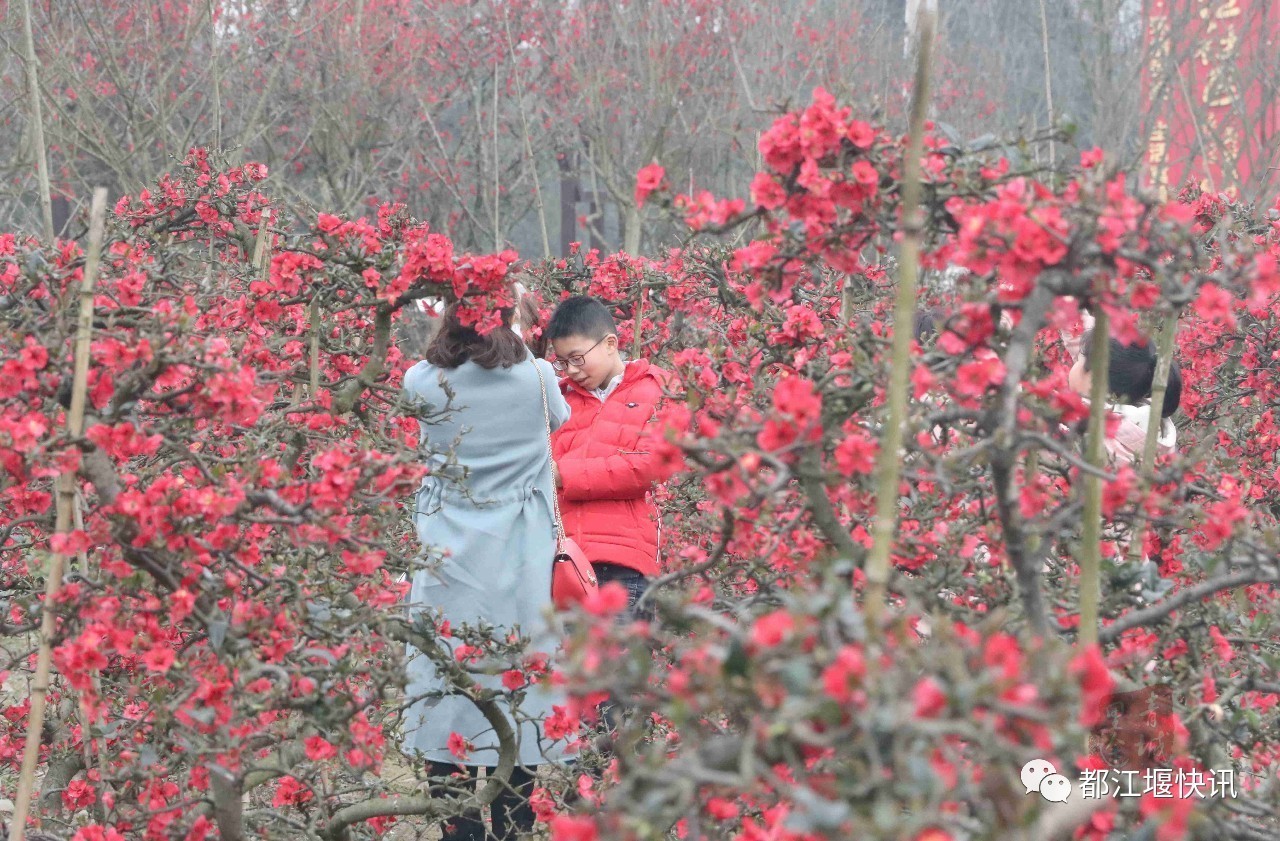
(580, 315)
(1131, 372)
(1172, 393)
(455, 343)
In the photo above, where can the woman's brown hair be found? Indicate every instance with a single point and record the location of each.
(531, 326)
(455, 343)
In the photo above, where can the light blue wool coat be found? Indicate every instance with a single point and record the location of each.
(489, 510)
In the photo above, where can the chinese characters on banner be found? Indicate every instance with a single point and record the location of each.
(1210, 89)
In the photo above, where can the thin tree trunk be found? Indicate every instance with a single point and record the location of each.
(217, 76)
(1195, 124)
(65, 507)
(889, 466)
(228, 804)
(528, 151)
(631, 230)
(1048, 80)
(1090, 555)
(595, 232)
(37, 123)
(638, 319)
(497, 231)
(569, 190)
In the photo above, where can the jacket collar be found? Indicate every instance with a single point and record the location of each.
(636, 370)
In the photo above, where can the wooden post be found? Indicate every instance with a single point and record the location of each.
(65, 508)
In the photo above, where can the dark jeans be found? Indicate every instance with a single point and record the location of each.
(634, 582)
(512, 814)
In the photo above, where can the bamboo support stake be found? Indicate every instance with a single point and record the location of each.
(1090, 556)
(66, 501)
(78, 523)
(1165, 345)
(889, 461)
(262, 247)
(1159, 387)
(37, 123)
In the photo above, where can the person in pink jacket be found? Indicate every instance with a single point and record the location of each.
(1130, 374)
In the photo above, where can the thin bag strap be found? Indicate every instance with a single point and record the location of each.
(551, 456)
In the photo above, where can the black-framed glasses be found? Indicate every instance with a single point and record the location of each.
(577, 360)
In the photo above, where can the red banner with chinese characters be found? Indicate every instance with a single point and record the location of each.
(1210, 95)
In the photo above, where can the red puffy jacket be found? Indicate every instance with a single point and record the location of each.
(606, 469)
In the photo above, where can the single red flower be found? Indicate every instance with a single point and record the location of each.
(771, 629)
(318, 748)
(610, 599)
(928, 698)
(649, 179)
(460, 747)
(573, 828)
(842, 680)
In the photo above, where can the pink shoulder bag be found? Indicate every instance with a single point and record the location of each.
(572, 577)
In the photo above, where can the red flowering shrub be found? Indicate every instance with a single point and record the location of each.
(233, 612)
(234, 615)
(770, 693)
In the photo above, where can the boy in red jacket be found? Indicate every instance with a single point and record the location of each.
(603, 466)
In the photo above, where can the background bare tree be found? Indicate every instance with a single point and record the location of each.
(524, 122)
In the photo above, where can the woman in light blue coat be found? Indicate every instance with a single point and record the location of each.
(487, 506)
